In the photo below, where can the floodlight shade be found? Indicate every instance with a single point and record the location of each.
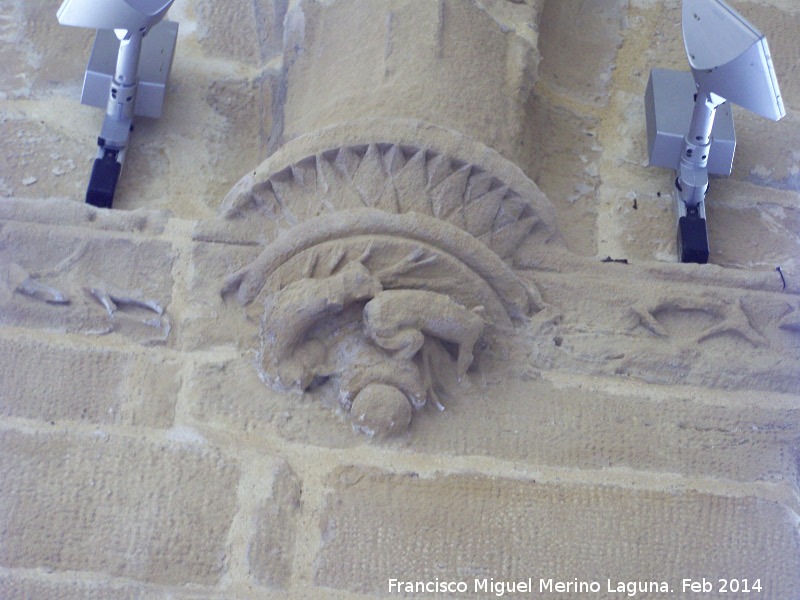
(129, 15)
(730, 57)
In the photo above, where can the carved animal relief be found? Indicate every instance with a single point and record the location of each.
(383, 276)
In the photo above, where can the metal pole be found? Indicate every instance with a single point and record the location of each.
(692, 181)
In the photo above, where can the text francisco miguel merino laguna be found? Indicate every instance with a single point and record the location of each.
(501, 588)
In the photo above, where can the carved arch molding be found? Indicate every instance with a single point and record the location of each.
(387, 268)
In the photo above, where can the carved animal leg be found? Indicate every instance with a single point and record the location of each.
(405, 343)
(34, 289)
(735, 321)
(791, 320)
(467, 344)
(15, 279)
(414, 259)
(428, 380)
(644, 317)
(336, 260)
(367, 252)
(465, 359)
(465, 356)
(311, 263)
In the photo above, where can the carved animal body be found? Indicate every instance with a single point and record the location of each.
(397, 320)
(303, 303)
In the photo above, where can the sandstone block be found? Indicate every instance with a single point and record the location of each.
(565, 168)
(578, 41)
(205, 321)
(158, 513)
(272, 546)
(38, 51)
(511, 413)
(673, 333)
(15, 587)
(230, 394)
(533, 421)
(763, 158)
(246, 106)
(54, 211)
(50, 381)
(113, 283)
(470, 527)
(756, 235)
(243, 30)
(27, 172)
(28, 585)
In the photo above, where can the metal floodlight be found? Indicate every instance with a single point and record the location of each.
(127, 75)
(113, 14)
(730, 61)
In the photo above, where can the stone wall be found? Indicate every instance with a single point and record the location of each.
(167, 432)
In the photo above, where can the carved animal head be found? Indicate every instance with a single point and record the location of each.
(359, 283)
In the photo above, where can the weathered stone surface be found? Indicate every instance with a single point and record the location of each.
(204, 322)
(763, 158)
(243, 30)
(42, 160)
(37, 53)
(504, 414)
(51, 380)
(467, 527)
(246, 105)
(15, 587)
(214, 128)
(578, 40)
(155, 512)
(654, 201)
(272, 547)
(398, 166)
(230, 395)
(22, 584)
(513, 414)
(417, 236)
(519, 416)
(660, 378)
(565, 168)
(754, 224)
(50, 211)
(448, 62)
